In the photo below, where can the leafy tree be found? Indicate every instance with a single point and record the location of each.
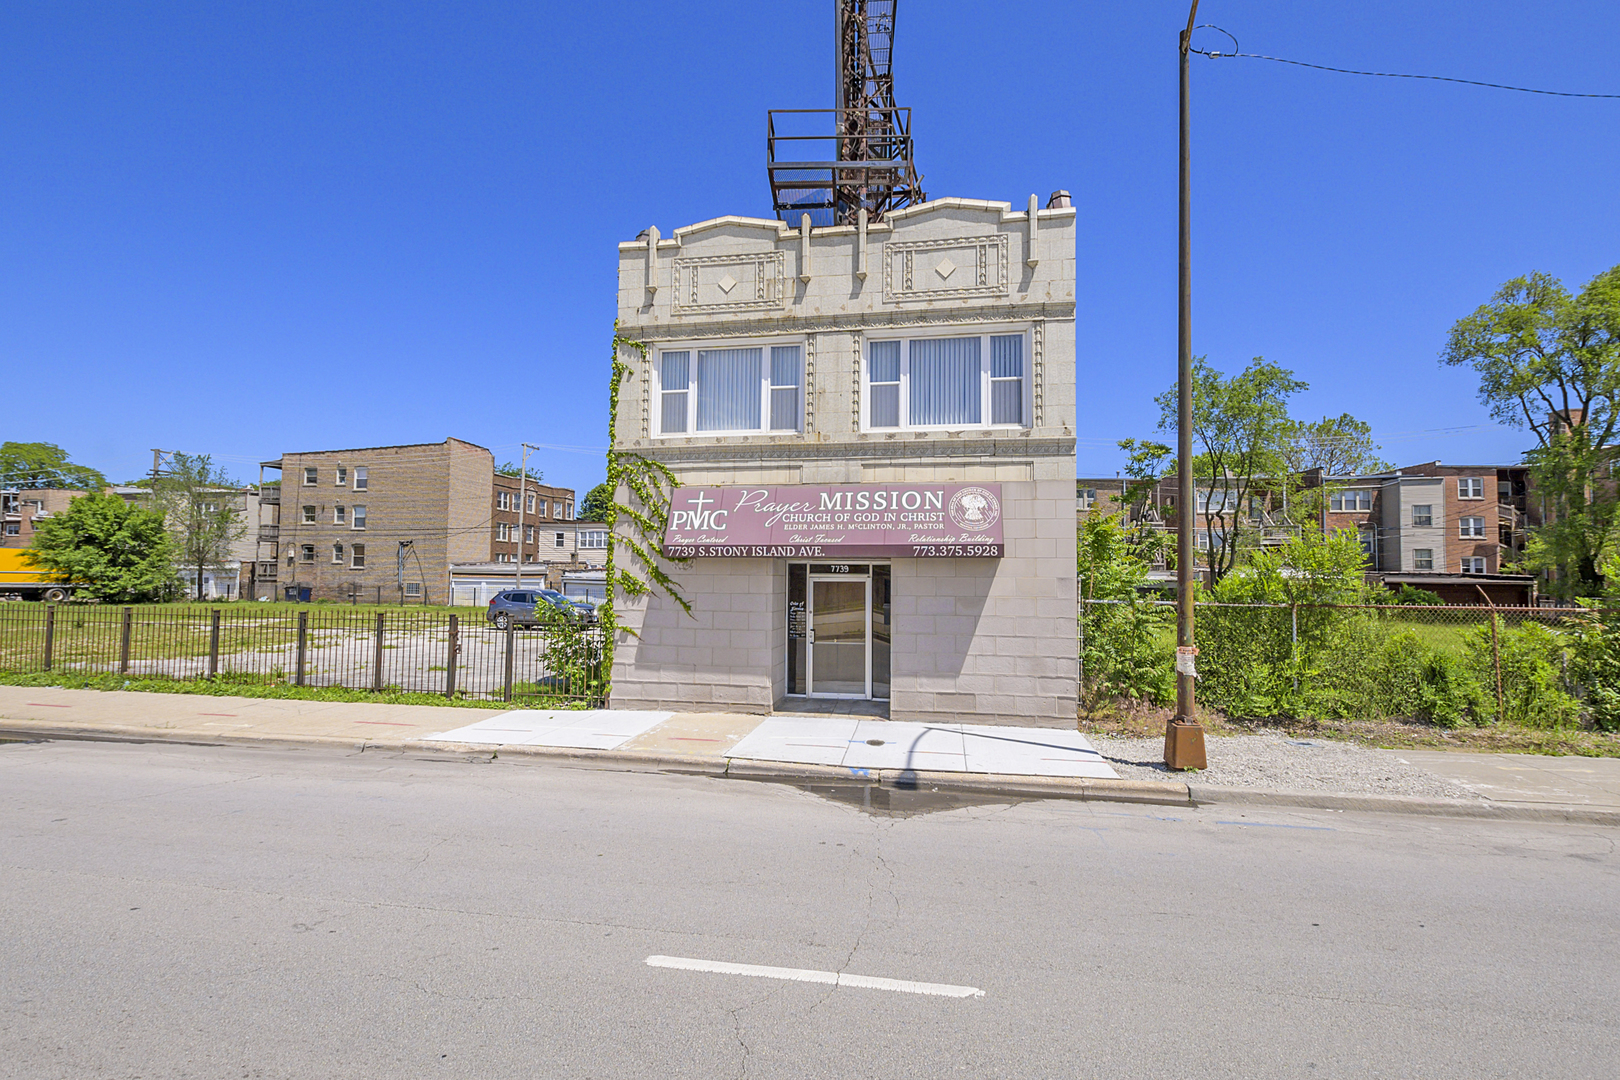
(110, 550)
(1240, 431)
(1147, 463)
(45, 465)
(598, 501)
(198, 503)
(1549, 362)
(1338, 445)
(509, 468)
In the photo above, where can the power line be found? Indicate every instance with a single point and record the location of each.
(1216, 55)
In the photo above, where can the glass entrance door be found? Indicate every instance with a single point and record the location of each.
(840, 633)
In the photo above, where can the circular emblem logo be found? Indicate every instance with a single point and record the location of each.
(974, 509)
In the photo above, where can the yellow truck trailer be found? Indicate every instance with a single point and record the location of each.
(20, 579)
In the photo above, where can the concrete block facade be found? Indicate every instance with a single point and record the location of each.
(973, 639)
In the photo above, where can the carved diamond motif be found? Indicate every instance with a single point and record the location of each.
(726, 284)
(945, 269)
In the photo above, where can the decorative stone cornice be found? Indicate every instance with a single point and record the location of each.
(956, 315)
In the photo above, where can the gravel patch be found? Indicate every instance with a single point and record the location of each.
(1282, 763)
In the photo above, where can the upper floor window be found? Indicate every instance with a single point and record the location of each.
(1470, 487)
(952, 382)
(747, 389)
(503, 500)
(531, 503)
(1473, 528)
(339, 516)
(1422, 515)
(337, 554)
(1086, 497)
(309, 515)
(360, 478)
(1473, 564)
(1423, 558)
(593, 539)
(312, 476)
(357, 517)
(342, 476)
(1355, 499)
(562, 540)
(357, 556)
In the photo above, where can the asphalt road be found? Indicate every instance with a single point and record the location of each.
(173, 911)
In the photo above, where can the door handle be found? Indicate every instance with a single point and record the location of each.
(810, 636)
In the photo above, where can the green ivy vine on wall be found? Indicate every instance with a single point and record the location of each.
(647, 485)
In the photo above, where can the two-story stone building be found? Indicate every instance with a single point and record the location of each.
(873, 426)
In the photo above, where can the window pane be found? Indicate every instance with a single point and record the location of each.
(676, 371)
(886, 405)
(728, 389)
(945, 381)
(784, 365)
(1007, 357)
(673, 417)
(1007, 401)
(785, 408)
(883, 361)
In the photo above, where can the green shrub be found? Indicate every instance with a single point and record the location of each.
(1535, 688)
(1406, 594)
(1125, 650)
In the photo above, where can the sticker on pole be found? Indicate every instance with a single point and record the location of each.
(1184, 660)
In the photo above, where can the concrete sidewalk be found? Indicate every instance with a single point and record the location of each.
(1508, 786)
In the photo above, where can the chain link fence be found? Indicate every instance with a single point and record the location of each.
(1442, 664)
(423, 652)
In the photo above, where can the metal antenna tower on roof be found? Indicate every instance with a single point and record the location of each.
(834, 163)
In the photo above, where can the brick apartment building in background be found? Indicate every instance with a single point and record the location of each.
(21, 508)
(542, 506)
(1449, 529)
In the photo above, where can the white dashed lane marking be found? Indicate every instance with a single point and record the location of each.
(829, 978)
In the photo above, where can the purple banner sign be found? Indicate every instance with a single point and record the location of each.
(917, 521)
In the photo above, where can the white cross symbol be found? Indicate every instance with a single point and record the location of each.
(700, 502)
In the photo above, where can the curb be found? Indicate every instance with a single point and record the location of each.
(1405, 804)
(1150, 792)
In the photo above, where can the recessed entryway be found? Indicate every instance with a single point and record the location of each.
(838, 630)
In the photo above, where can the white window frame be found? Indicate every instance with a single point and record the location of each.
(337, 554)
(984, 334)
(357, 517)
(1086, 498)
(1417, 524)
(340, 515)
(413, 588)
(1336, 501)
(342, 476)
(562, 540)
(1464, 525)
(309, 515)
(357, 556)
(312, 476)
(1422, 556)
(360, 481)
(306, 553)
(1471, 482)
(1474, 564)
(593, 540)
(531, 502)
(692, 349)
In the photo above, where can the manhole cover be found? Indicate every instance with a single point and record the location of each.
(874, 742)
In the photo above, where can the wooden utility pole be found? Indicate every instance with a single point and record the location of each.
(1184, 735)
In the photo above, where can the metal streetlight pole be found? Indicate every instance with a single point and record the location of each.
(523, 481)
(1184, 735)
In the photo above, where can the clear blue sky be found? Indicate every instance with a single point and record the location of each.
(245, 228)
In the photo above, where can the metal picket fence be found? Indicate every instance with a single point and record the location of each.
(419, 651)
